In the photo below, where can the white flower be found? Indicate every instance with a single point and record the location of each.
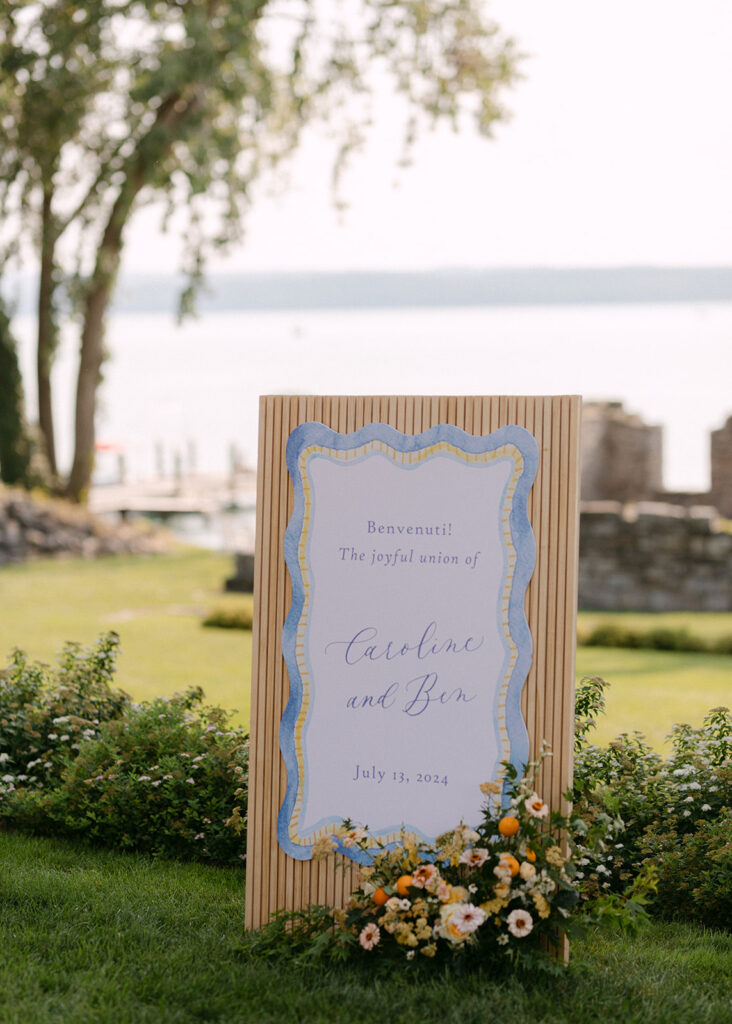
(706, 807)
(474, 856)
(472, 889)
(520, 923)
(61, 720)
(466, 917)
(8, 778)
(404, 904)
(353, 836)
(687, 814)
(156, 782)
(536, 806)
(144, 778)
(62, 739)
(5, 757)
(527, 871)
(191, 782)
(369, 936)
(52, 736)
(200, 836)
(410, 954)
(458, 921)
(424, 876)
(466, 835)
(502, 939)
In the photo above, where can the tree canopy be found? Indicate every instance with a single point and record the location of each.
(108, 104)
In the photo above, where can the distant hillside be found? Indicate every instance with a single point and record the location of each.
(379, 290)
(368, 289)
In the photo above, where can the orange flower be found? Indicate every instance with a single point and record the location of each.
(508, 826)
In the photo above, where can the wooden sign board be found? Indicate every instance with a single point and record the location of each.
(415, 618)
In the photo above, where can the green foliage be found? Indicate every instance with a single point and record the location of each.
(168, 777)
(672, 813)
(694, 871)
(660, 638)
(239, 616)
(110, 104)
(15, 446)
(46, 715)
(589, 702)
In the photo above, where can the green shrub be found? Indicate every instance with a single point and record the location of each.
(47, 714)
(234, 617)
(723, 645)
(662, 638)
(661, 812)
(695, 873)
(168, 776)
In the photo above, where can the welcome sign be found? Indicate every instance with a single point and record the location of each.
(415, 619)
(406, 644)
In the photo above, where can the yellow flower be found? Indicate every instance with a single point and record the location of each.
(490, 788)
(493, 906)
(429, 950)
(542, 906)
(404, 934)
(554, 856)
(323, 847)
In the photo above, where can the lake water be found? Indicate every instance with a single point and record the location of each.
(195, 388)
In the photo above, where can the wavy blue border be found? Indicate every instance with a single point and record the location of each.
(312, 433)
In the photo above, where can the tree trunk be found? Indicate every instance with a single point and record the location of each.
(90, 366)
(158, 141)
(47, 335)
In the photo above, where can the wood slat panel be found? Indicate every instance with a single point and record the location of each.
(274, 880)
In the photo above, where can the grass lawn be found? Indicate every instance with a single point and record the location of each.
(652, 690)
(156, 605)
(97, 937)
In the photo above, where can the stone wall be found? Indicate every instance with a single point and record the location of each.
(621, 455)
(653, 557)
(721, 492)
(33, 528)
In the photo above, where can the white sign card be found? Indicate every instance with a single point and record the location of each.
(406, 643)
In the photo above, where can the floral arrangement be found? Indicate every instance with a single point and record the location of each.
(502, 890)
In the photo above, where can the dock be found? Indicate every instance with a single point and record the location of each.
(185, 494)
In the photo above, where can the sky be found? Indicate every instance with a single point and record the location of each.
(618, 152)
